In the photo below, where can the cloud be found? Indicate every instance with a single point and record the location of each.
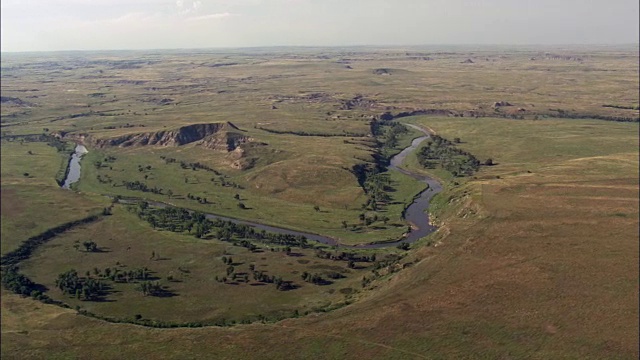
(186, 9)
(211, 16)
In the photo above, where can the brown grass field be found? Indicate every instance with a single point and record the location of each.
(535, 257)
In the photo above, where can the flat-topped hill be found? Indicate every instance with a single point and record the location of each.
(223, 136)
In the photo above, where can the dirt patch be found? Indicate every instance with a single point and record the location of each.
(10, 203)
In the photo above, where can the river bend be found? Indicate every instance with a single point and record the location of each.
(416, 213)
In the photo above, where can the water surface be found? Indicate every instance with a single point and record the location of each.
(73, 174)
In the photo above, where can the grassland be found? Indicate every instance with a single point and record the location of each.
(283, 192)
(194, 265)
(535, 257)
(34, 202)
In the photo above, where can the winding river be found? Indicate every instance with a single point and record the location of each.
(415, 213)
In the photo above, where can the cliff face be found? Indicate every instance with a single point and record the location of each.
(241, 151)
(216, 136)
(225, 140)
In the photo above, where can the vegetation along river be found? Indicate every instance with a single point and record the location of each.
(415, 213)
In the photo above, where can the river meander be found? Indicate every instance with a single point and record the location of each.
(416, 213)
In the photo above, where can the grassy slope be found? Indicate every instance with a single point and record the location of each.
(528, 276)
(35, 203)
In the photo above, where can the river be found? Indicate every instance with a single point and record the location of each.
(73, 175)
(416, 213)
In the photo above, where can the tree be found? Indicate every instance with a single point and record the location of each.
(236, 196)
(90, 246)
(488, 162)
(457, 140)
(26, 174)
(150, 288)
(241, 206)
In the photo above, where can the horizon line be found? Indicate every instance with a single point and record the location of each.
(637, 44)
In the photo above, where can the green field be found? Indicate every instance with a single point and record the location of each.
(282, 193)
(535, 256)
(34, 203)
(194, 265)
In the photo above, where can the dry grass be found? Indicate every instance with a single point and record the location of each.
(539, 263)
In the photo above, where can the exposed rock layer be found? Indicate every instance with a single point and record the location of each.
(216, 136)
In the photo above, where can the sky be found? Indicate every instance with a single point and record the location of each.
(52, 25)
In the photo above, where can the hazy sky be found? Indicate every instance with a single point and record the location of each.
(29, 25)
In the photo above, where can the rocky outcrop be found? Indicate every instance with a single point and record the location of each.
(216, 136)
(225, 141)
(358, 102)
(382, 71)
(501, 103)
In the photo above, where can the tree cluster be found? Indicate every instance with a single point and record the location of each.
(222, 178)
(13, 281)
(178, 220)
(314, 278)
(86, 288)
(140, 186)
(56, 143)
(186, 165)
(439, 151)
(89, 246)
(345, 256)
(152, 288)
(201, 200)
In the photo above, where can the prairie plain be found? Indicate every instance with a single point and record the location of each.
(535, 255)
